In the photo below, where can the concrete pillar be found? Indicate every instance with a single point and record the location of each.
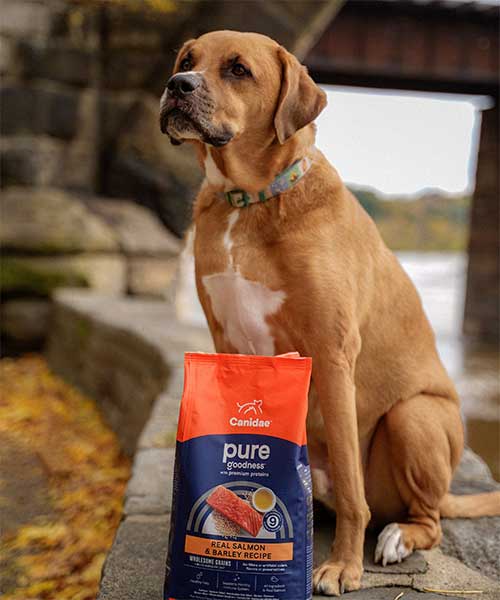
(482, 304)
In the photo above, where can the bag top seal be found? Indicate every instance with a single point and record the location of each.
(227, 394)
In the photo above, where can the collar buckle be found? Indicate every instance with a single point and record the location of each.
(281, 183)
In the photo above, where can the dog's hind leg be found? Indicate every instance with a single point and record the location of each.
(420, 442)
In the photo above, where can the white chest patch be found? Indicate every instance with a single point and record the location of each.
(241, 306)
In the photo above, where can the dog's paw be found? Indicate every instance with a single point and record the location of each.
(333, 578)
(391, 546)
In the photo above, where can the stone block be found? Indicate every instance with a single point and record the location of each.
(150, 489)
(135, 567)
(142, 136)
(25, 321)
(41, 275)
(150, 28)
(138, 230)
(118, 363)
(82, 159)
(150, 276)
(161, 428)
(70, 64)
(36, 110)
(135, 68)
(475, 542)
(46, 220)
(159, 191)
(148, 167)
(472, 475)
(23, 18)
(31, 161)
(9, 65)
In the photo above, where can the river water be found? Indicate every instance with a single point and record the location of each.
(440, 279)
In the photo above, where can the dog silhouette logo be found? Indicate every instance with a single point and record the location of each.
(254, 407)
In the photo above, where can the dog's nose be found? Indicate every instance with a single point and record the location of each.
(183, 84)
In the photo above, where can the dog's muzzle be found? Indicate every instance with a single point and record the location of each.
(179, 93)
(187, 106)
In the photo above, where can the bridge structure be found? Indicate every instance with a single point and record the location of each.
(442, 46)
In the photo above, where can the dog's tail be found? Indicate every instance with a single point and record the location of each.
(470, 506)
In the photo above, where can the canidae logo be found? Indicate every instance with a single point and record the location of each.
(249, 408)
(255, 406)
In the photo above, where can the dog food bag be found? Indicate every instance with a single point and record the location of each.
(241, 524)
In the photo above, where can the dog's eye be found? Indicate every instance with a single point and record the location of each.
(185, 64)
(239, 70)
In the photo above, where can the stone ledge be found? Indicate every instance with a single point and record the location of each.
(149, 489)
(135, 566)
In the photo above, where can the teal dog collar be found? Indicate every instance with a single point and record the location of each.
(283, 182)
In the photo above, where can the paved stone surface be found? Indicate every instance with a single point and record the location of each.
(390, 593)
(415, 563)
(473, 541)
(448, 573)
(135, 568)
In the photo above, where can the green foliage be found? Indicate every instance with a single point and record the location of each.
(431, 222)
(17, 276)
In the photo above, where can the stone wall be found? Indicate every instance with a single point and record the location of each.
(76, 84)
(79, 102)
(80, 143)
(82, 81)
(53, 238)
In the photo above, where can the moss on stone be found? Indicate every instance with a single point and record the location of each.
(20, 277)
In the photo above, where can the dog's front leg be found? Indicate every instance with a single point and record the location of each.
(333, 377)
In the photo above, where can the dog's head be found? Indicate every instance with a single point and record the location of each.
(229, 84)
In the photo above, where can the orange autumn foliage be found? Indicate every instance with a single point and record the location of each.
(61, 558)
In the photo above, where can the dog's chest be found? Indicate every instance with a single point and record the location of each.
(241, 304)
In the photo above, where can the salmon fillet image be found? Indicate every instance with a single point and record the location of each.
(237, 510)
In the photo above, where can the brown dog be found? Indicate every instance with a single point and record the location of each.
(306, 270)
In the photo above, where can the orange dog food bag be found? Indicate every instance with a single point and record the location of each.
(241, 525)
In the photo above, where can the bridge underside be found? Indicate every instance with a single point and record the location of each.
(436, 47)
(405, 45)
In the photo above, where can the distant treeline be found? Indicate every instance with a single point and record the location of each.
(431, 222)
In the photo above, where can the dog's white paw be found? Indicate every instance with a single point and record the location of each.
(390, 545)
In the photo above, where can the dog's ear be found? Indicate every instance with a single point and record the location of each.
(300, 100)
